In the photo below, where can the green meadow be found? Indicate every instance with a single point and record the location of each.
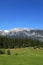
(22, 56)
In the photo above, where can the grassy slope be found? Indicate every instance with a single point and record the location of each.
(26, 56)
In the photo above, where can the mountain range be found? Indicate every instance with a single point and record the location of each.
(23, 33)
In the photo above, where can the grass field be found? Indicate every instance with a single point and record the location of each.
(23, 56)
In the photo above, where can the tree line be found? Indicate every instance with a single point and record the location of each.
(6, 42)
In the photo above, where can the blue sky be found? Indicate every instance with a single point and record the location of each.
(21, 14)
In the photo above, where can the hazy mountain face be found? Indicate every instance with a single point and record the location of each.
(23, 33)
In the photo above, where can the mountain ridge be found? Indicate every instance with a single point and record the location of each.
(23, 33)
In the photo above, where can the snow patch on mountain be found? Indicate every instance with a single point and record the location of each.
(23, 32)
(6, 31)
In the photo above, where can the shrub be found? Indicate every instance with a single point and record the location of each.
(16, 53)
(8, 52)
(2, 51)
(38, 47)
(35, 47)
